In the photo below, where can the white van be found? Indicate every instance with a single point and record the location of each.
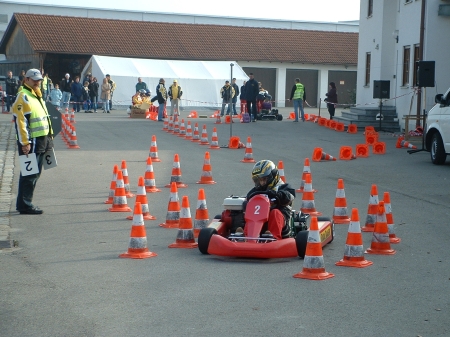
(437, 139)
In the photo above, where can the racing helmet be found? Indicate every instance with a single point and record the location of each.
(265, 168)
(142, 91)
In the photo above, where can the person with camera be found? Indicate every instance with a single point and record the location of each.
(331, 99)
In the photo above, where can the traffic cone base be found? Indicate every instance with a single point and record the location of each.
(120, 200)
(185, 236)
(173, 209)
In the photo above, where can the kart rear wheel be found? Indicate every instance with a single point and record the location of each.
(301, 240)
(279, 117)
(204, 237)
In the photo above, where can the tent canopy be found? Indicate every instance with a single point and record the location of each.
(200, 81)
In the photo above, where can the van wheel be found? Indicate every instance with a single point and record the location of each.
(438, 154)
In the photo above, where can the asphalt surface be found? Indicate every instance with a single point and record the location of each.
(64, 277)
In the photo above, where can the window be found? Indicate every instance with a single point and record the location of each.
(370, 8)
(367, 81)
(406, 60)
(416, 59)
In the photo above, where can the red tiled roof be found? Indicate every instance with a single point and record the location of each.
(158, 40)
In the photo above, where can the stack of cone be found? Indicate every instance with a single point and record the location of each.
(248, 155)
(112, 186)
(185, 236)
(72, 117)
(66, 114)
(137, 248)
(170, 128)
(73, 144)
(154, 150)
(362, 150)
(340, 213)
(308, 204)
(176, 126)
(141, 197)
(319, 155)
(206, 177)
(204, 139)
(182, 129)
(189, 131)
(165, 125)
(176, 173)
(126, 182)
(390, 218)
(149, 178)
(313, 263)
(218, 119)
(281, 171)
(380, 239)
(201, 214)
(214, 140)
(401, 142)
(120, 200)
(354, 249)
(173, 209)
(372, 209)
(346, 153)
(196, 135)
(306, 169)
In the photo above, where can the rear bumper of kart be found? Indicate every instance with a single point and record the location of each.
(276, 249)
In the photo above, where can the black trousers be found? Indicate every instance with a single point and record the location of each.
(27, 185)
(331, 110)
(251, 108)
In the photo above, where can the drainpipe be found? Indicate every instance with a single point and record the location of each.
(421, 42)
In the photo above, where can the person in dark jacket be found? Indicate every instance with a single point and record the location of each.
(161, 94)
(267, 179)
(242, 98)
(251, 91)
(65, 87)
(12, 85)
(227, 95)
(331, 99)
(93, 93)
(236, 93)
(76, 90)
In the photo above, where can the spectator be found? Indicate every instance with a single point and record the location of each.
(242, 98)
(161, 94)
(236, 93)
(45, 86)
(12, 85)
(113, 87)
(106, 95)
(251, 91)
(93, 93)
(76, 90)
(87, 78)
(175, 93)
(55, 96)
(141, 85)
(86, 98)
(298, 95)
(227, 94)
(21, 77)
(65, 87)
(331, 99)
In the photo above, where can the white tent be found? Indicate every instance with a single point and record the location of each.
(200, 80)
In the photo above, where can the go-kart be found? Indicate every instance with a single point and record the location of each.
(269, 115)
(220, 236)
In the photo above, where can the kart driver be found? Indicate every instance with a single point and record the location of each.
(266, 177)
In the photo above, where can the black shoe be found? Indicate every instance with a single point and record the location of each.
(107, 112)
(33, 210)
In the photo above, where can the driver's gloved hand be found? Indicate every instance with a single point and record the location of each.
(271, 194)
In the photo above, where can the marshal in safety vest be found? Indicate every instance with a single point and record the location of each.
(299, 91)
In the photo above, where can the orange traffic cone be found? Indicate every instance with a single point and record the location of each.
(369, 129)
(185, 236)
(173, 209)
(380, 238)
(308, 204)
(188, 131)
(390, 219)
(319, 155)
(204, 139)
(322, 121)
(281, 171)
(72, 117)
(371, 210)
(137, 248)
(306, 169)
(354, 249)
(196, 135)
(149, 178)
(120, 199)
(362, 150)
(73, 144)
(291, 115)
(371, 137)
(379, 148)
(206, 177)
(112, 186)
(201, 214)
(234, 142)
(352, 128)
(170, 128)
(154, 150)
(176, 126)
(346, 153)
(166, 125)
(182, 129)
(340, 127)
(332, 124)
(340, 213)
(214, 140)
(401, 142)
(126, 182)
(248, 155)
(218, 119)
(176, 173)
(141, 197)
(313, 263)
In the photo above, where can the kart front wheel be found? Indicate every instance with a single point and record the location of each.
(279, 117)
(301, 240)
(204, 237)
